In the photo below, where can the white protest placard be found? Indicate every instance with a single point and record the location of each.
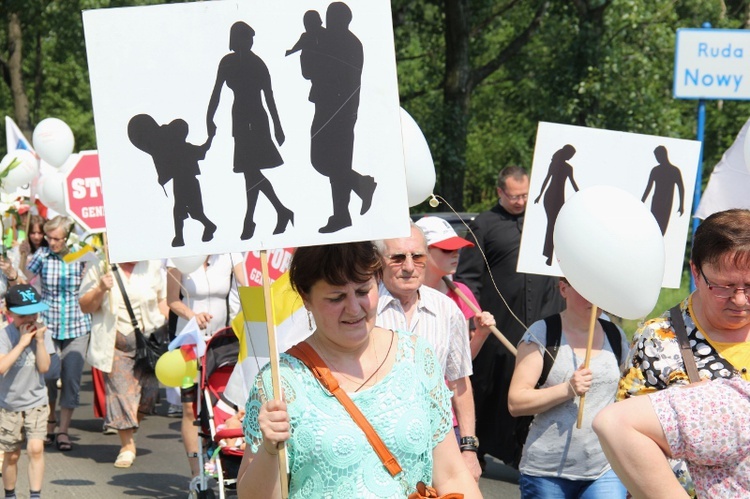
(660, 171)
(712, 64)
(246, 125)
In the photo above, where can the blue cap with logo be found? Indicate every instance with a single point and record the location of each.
(24, 299)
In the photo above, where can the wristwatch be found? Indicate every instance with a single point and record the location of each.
(470, 443)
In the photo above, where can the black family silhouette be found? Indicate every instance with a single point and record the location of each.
(332, 59)
(247, 76)
(559, 171)
(664, 178)
(176, 160)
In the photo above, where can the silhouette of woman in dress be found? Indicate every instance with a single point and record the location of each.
(247, 76)
(559, 171)
(664, 177)
(333, 64)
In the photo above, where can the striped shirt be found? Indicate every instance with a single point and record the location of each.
(439, 321)
(61, 284)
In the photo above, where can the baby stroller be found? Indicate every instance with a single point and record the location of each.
(220, 462)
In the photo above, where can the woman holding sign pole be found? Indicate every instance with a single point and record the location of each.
(558, 459)
(391, 377)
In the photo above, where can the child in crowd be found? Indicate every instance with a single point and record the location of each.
(24, 358)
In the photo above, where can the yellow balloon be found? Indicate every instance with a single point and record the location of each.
(191, 370)
(170, 369)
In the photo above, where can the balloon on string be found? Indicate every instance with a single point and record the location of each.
(611, 250)
(53, 141)
(23, 173)
(50, 189)
(171, 368)
(420, 169)
(188, 264)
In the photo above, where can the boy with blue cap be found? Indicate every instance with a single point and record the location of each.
(24, 358)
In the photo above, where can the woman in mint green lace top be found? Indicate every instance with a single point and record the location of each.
(392, 377)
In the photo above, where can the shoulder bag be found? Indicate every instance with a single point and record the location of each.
(318, 367)
(688, 358)
(148, 348)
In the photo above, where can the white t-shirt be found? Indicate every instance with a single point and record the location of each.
(208, 288)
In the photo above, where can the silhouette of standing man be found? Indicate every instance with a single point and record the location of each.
(559, 171)
(247, 76)
(664, 176)
(335, 73)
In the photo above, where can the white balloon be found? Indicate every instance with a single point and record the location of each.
(51, 191)
(611, 250)
(21, 174)
(53, 141)
(420, 169)
(188, 264)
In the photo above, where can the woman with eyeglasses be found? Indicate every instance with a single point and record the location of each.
(70, 327)
(716, 319)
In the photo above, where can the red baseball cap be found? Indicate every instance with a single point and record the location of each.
(440, 234)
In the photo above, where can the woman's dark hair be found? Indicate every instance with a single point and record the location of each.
(335, 264)
(37, 221)
(723, 237)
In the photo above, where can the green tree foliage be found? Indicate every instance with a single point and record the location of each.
(53, 72)
(597, 63)
(477, 75)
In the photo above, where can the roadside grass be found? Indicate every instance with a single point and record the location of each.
(667, 299)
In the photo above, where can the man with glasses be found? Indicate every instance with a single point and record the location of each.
(716, 320)
(405, 303)
(497, 236)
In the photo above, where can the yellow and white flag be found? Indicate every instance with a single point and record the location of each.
(249, 325)
(85, 254)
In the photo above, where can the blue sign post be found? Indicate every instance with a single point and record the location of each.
(710, 64)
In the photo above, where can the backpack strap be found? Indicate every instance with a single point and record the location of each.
(308, 356)
(554, 335)
(678, 324)
(614, 338)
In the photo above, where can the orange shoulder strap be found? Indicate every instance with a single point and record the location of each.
(305, 353)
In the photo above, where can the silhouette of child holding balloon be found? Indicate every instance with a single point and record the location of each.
(177, 160)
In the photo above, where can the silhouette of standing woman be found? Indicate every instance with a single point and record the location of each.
(664, 176)
(559, 171)
(247, 76)
(334, 69)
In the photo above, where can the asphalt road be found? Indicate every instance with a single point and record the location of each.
(160, 469)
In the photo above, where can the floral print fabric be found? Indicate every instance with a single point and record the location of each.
(655, 363)
(709, 426)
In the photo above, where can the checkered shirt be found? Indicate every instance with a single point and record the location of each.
(61, 284)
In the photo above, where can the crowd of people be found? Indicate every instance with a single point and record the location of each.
(400, 379)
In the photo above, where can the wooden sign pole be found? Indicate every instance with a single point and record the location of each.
(273, 350)
(589, 346)
(500, 336)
